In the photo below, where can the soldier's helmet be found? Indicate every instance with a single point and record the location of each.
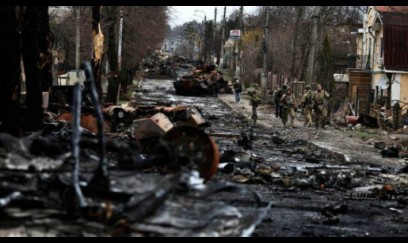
(284, 86)
(308, 87)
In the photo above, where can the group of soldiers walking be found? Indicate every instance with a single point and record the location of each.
(311, 102)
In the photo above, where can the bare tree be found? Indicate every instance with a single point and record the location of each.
(35, 43)
(112, 17)
(10, 54)
(98, 50)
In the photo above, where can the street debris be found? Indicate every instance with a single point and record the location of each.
(159, 164)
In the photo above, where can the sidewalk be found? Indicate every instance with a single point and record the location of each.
(336, 141)
(266, 112)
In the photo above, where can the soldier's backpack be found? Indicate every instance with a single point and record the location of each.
(279, 95)
(255, 100)
(309, 99)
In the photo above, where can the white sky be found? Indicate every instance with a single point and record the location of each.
(182, 14)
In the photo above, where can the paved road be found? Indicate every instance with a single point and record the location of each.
(299, 207)
(353, 150)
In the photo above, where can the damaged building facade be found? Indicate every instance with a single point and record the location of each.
(381, 71)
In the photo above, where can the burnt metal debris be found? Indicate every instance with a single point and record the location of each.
(156, 166)
(102, 187)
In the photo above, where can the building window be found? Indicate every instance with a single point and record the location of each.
(382, 47)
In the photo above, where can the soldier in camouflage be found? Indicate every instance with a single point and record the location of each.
(320, 98)
(288, 102)
(278, 95)
(307, 105)
(255, 100)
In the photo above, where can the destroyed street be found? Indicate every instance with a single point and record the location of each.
(274, 121)
(267, 179)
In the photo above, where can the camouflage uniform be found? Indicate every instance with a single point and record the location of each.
(288, 102)
(254, 101)
(307, 104)
(319, 107)
(278, 95)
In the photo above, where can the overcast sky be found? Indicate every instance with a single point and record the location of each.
(182, 14)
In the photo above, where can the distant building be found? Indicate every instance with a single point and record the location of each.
(171, 44)
(382, 58)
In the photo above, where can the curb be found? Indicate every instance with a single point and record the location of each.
(245, 116)
(338, 156)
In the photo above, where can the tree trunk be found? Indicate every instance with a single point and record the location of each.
(114, 79)
(313, 37)
(11, 72)
(30, 53)
(45, 41)
(97, 54)
(293, 72)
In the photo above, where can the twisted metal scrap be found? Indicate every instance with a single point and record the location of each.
(76, 136)
(103, 164)
(76, 133)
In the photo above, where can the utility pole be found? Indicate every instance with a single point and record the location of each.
(265, 50)
(120, 40)
(237, 64)
(213, 37)
(120, 52)
(222, 39)
(313, 36)
(78, 41)
(241, 19)
(205, 44)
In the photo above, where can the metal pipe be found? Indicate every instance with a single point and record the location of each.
(76, 136)
(103, 164)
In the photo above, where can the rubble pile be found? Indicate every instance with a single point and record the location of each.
(193, 77)
(76, 177)
(161, 164)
